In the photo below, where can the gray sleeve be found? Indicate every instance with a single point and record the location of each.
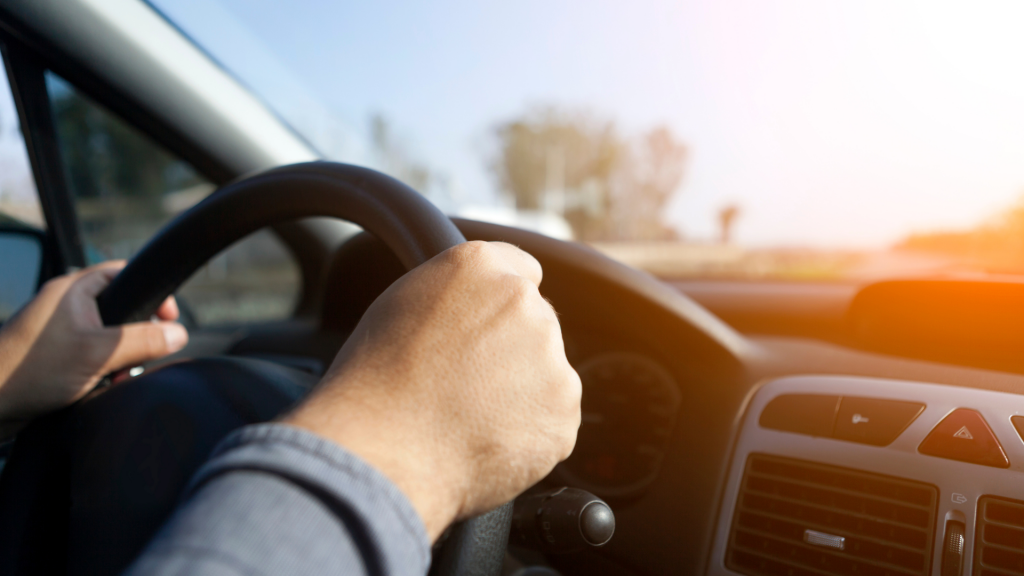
(274, 499)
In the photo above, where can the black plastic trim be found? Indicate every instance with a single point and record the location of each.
(404, 220)
(28, 86)
(77, 73)
(205, 158)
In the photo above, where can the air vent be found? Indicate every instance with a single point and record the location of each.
(999, 537)
(796, 518)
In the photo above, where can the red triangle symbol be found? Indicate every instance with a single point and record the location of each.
(964, 435)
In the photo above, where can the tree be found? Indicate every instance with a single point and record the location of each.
(577, 165)
(727, 216)
(648, 179)
(560, 162)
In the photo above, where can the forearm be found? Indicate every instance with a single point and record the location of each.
(276, 500)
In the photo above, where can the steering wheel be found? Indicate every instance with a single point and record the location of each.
(81, 467)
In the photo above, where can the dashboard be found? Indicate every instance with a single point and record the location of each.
(681, 420)
(841, 475)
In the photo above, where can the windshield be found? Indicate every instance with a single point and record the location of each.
(739, 139)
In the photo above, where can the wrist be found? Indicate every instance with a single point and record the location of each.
(411, 464)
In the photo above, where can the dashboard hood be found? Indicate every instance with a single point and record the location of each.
(970, 322)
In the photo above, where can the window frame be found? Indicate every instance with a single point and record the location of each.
(28, 87)
(28, 57)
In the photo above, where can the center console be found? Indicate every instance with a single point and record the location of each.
(868, 477)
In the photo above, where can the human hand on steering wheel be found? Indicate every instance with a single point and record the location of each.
(455, 384)
(56, 349)
(492, 402)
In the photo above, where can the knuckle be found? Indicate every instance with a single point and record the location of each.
(574, 388)
(468, 254)
(551, 332)
(571, 398)
(567, 442)
(550, 316)
(530, 259)
(570, 445)
(522, 291)
(154, 342)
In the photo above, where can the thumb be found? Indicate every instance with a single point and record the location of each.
(144, 341)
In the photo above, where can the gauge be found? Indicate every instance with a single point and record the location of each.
(629, 409)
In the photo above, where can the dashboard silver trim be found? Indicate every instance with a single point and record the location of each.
(960, 484)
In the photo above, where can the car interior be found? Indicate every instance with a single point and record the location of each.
(732, 427)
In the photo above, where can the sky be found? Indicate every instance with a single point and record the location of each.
(832, 124)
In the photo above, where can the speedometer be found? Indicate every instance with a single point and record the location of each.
(629, 409)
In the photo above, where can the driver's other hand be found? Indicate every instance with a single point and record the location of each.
(454, 384)
(56, 349)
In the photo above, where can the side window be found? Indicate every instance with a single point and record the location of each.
(18, 198)
(125, 187)
(19, 207)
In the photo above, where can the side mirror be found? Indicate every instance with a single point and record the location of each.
(21, 266)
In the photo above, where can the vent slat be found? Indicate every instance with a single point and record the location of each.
(847, 502)
(999, 537)
(902, 492)
(1003, 559)
(991, 572)
(1013, 550)
(1004, 512)
(755, 518)
(750, 563)
(886, 523)
(912, 563)
(1001, 524)
(791, 558)
(844, 491)
(859, 516)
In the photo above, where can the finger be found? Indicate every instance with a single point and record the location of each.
(144, 341)
(110, 268)
(94, 279)
(168, 310)
(521, 262)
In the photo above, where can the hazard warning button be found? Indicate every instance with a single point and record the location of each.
(964, 435)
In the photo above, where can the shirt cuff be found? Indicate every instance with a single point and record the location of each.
(343, 481)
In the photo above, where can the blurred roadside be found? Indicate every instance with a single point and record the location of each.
(681, 260)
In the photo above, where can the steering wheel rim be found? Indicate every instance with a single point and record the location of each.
(413, 228)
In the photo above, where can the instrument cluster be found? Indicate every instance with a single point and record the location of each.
(629, 408)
